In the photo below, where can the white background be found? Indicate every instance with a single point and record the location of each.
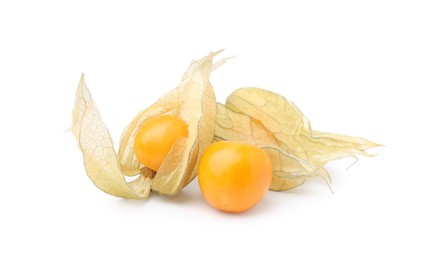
(364, 68)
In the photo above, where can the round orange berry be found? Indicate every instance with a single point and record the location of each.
(234, 176)
(155, 139)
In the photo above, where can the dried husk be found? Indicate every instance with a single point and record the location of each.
(99, 157)
(267, 119)
(288, 171)
(193, 101)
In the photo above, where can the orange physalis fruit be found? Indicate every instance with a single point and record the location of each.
(234, 176)
(156, 137)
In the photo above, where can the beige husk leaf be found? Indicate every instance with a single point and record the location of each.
(99, 157)
(193, 101)
(288, 171)
(267, 119)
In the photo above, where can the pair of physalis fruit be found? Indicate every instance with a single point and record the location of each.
(233, 176)
(256, 141)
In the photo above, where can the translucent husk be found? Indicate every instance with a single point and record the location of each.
(272, 122)
(193, 101)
